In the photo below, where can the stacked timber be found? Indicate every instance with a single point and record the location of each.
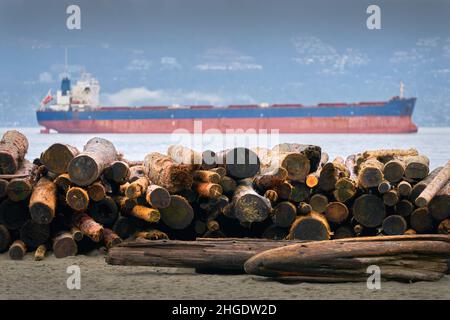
(70, 201)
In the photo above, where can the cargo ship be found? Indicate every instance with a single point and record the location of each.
(77, 109)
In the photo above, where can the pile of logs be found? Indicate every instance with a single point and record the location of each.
(72, 201)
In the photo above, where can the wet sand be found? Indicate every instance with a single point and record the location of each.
(28, 279)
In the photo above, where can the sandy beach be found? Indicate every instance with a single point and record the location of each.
(28, 279)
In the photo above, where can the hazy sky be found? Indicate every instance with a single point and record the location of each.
(220, 52)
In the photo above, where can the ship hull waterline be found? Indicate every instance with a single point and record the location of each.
(382, 124)
(393, 116)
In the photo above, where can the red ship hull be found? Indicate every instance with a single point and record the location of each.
(355, 124)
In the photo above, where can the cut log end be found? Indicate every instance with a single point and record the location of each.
(41, 213)
(83, 170)
(158, 197)
(319, 202)
(394, 225)
(284, 214)
(77, 198)
(369, 210)
(179, 214)
(310, 227)
(57, 157)
(64, 245)
(336, 212)
(17, 250)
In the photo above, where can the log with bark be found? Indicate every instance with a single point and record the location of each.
(402, 258)
(58, 156)
(370, 173)
(165, 172)
(85, 168)
(157, 197)
(13, 148)
(439, 206)
(438, 182)
(184, 155)
(19, 189)
(179, 214)
(331, 173)
(249, 206)
(43, 201)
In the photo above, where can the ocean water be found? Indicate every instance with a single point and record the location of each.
(433, 142)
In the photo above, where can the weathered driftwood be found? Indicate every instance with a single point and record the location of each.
(214, 254)
(58, 156)
(402, 258)
(165, 172)
(13, 147)
(87, 167)
(43, 201)
(438, 182)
